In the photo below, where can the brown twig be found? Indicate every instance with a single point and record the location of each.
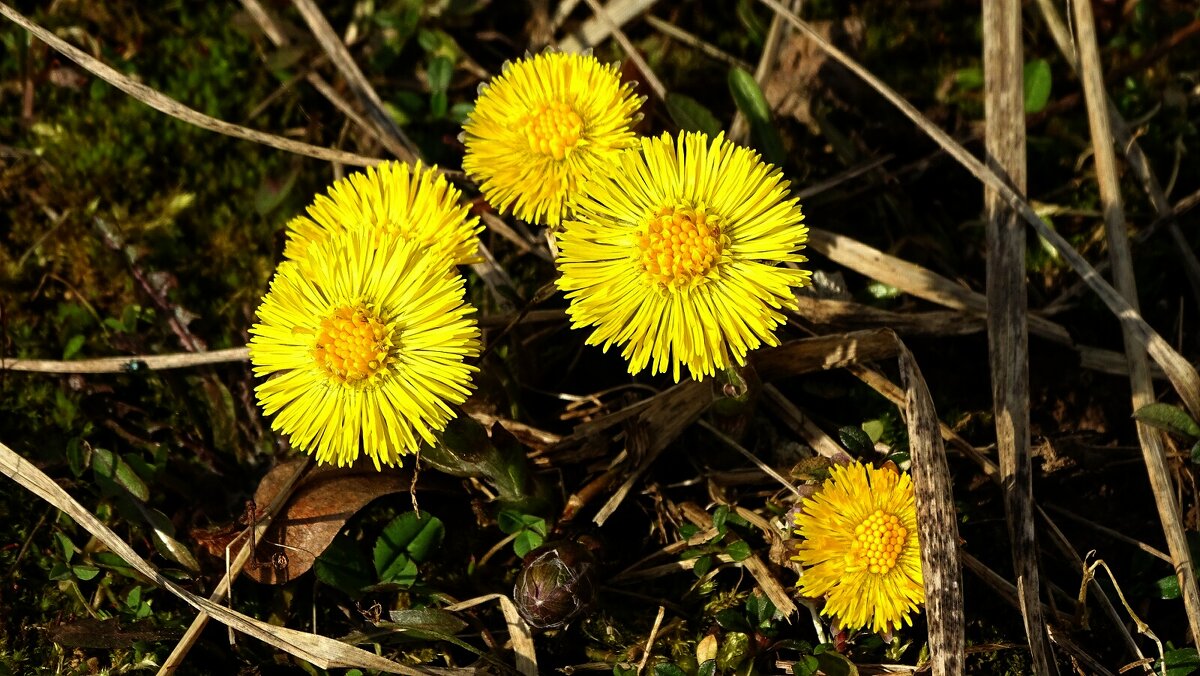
(652, 80)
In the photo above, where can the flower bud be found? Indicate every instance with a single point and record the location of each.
(555, 584)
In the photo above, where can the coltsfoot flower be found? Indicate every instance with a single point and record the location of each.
(364, 339)
(675, 254)
(417, 203)
(543, 124)
(860, 548)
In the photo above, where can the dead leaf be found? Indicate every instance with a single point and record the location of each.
(319, 507)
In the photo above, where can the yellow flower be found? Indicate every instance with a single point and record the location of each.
(860, 548)
(673, 254)
(543, 124)
(416, 203)
(364, 338)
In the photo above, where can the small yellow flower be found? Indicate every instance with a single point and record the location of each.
(674, 254)
(365, 339)
(416, 203)
(860, 548)
(543, 124)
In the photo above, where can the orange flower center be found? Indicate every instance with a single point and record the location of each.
(878, 542)
(681, 244)
(353, 344)
(552, 129)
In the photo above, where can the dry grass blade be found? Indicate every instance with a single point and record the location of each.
(1008, 335)
(1182, 373)
(1089, 573)
(695, 42)
(594, 30)
(518, 630)
(319, 650)
(340, 56)
(259, 528)
(170, 106)
(936, 524)
(652, 80)
(1122, 264)
(277, 37)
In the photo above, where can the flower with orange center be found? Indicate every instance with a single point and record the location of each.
(860, 549)
(418, 203)
(541, 126)
(364, 341)
(675, 253)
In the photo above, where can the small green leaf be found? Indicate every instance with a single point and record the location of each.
(527, 541)
(668, 669)
(881, 291)
(691, 115)
(719, 517)
(73, 346)
(856, 440)
(738, 551)
(134, 598)
(68, 547)
(708, 668)
(687, 530)
(405, 541)
(84, 572)
(428, 619)
(750, 100)
(1170, 418)
(344, 566)
(703, 565)
(1037, 85)
(111, 468)
(1168, 587)
(833, 663)
(874, 429)
(1196, 453)
(969, 78)
(1182, 661)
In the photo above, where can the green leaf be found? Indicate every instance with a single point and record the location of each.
(703, 565)
(719, 517)
(1170, 418)
(73, 346)
(440, 70)
(833, 663)
(691, 115)
(527, 541)
(405, 541)
(856, 440)
(1182, 661)
(166, 544)
(687, 530)
(1168, 587)
(511, 521)
(969, 78)
(750, 100)
(1037, 85)
(708, 668)
(1196, 453)
(84, 572)
(874, 429)
(68, 547)
(344, 566)
(668, 669)
(738, 551)
(111, 468)
(428, 619)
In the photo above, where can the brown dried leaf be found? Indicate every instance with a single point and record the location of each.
(320, 506)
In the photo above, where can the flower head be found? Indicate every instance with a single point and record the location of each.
(415, 202)
(673, 254)
(543, 124)
(364, 338)
(860, 548)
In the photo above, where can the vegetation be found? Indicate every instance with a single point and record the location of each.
(126, 232)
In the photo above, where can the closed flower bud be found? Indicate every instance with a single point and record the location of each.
(555, 584)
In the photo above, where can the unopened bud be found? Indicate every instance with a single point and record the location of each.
(555, 584)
